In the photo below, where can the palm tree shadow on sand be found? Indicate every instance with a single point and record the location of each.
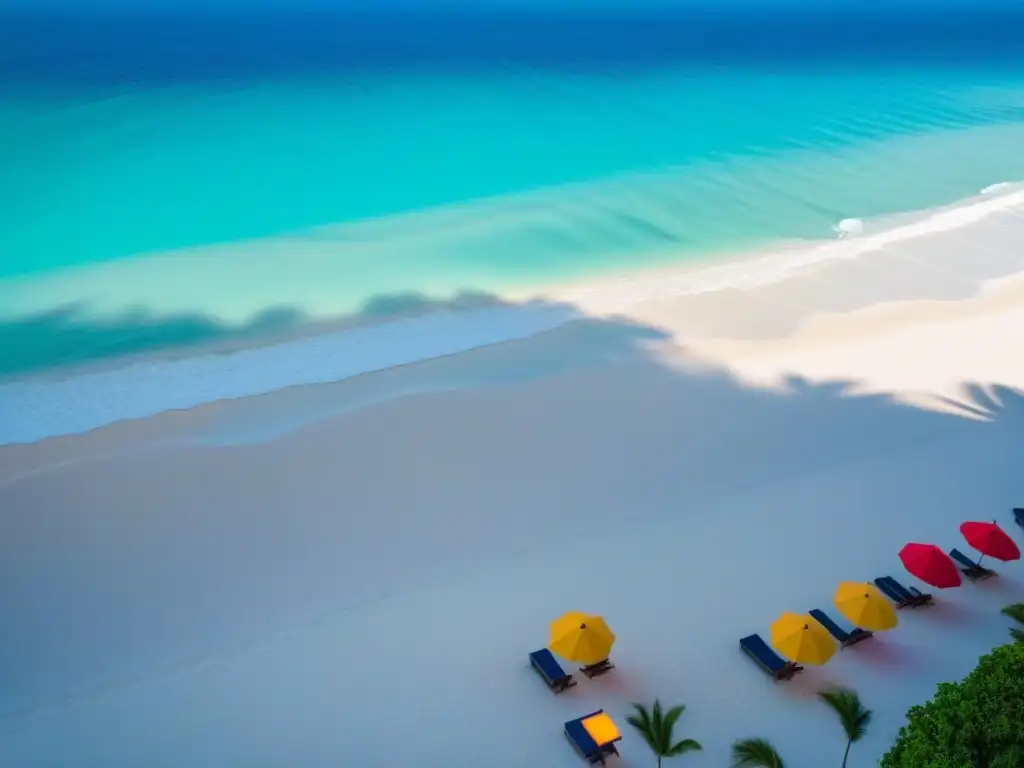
(994, 402)
(296, 562)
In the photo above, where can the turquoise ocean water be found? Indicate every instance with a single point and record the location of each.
(163, 188)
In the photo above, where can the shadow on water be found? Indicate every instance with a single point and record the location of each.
(67, 336)
(151, 575)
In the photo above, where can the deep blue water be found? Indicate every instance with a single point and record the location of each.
(113, 47)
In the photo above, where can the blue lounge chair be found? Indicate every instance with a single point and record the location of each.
(768, 659)
(1018, 515)
(585, 745)
(916, 595)
(902, 598)
(969, 568)
(551, 671)
(846, 639)
(900, 595)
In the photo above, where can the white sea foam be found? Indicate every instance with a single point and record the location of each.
(757, 271)
(849, 227)
(1000, 187)
(34, 409)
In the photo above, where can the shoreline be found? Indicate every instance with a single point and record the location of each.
(831, 335)
(696, 212)
(703, 302)
(784, 259)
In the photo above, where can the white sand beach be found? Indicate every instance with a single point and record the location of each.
(353, 573)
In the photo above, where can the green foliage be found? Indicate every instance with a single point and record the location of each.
(976, 723)
(1016, 612)
(656, 727)
(851, 713)
(755, 753)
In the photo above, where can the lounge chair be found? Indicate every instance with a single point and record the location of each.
(598, 669)
(551, 671)
(768, 659)
(969, 568)
(902, 596)
(846, 639)
(1018, 515)
(920, 598)
(581, 740)
(917, 594)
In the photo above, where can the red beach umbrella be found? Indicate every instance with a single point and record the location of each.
(931, 565)
(991, 540)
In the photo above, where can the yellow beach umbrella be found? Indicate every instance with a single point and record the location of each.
(581, 638)
(802, 639)
(864, 605)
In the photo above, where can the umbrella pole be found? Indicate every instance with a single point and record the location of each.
(980, 559)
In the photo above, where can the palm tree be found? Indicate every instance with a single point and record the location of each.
(656, 727)
(755, 753)
(1016, 612)
(851, 713)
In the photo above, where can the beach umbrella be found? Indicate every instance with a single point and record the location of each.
(864, 605)
(931, 565)
(802, 639)
(991, 540)
(581, 637)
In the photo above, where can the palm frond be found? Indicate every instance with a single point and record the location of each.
(851, 713)
(655, 726)
(672, 716)
(1015, 612)
(641, 721)
(755, 753)
(682, 747)
(662, 736)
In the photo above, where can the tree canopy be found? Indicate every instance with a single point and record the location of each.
(976, 723)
